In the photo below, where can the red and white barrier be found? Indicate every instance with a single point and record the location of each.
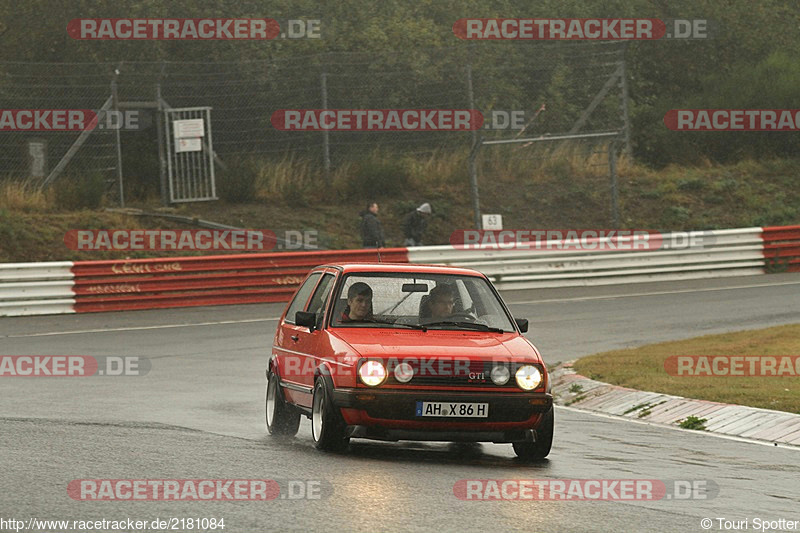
(91, 286)
(782, 248)
(212, 280)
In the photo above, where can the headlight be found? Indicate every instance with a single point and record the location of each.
(372, 373)
(500, 375)
(528, 377)
(403, 372)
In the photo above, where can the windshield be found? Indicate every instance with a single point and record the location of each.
(424, 301)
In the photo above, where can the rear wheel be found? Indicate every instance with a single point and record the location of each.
(327, 425)
(282, 418)
(535, 451)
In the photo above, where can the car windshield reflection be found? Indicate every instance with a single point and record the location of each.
(428, 301)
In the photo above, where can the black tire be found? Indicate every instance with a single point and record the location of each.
(536, 451)
(327, 425)
(282, 418)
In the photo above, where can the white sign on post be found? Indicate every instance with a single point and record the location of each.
(492, 222)
(192, 127)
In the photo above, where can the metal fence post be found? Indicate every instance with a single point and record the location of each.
(473, 155)
(162, 161)
(115, 107)
(326, 146)
(612, 168)
(625, 108)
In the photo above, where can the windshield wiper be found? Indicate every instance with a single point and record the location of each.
(467, 325)
(410, 326)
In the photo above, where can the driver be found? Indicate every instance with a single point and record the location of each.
(442, 300)
(359, 303)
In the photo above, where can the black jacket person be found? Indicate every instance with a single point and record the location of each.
(414, 225)
(371, 230)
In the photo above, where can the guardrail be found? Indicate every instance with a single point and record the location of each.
(90, 286)
(36, 288)
(735, 252)
(782, 248)
(212, 280)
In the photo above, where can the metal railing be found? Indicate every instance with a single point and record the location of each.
(90, 286)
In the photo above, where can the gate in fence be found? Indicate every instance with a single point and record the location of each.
(190, 154)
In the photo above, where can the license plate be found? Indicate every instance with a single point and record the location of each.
(453, 410)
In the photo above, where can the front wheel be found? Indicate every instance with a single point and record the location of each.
(327, 425)
(282, 418)
(535, 451)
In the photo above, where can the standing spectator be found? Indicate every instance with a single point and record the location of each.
(371, 230)
(414, 224)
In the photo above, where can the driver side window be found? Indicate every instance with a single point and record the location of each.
(300, 299)
(320, 299)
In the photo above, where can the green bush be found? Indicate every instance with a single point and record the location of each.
(676, 215)
(693, 422)
(237, 184)
(691, 184)
(375, 178)
(73, 193)
(295, 194)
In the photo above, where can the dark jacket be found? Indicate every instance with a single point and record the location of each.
(414, 225)
(371, 231)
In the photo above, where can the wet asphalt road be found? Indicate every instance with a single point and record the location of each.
(198, 414)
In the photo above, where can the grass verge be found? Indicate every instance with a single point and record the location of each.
(643, 368)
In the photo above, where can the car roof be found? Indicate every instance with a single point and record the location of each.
(402, 267)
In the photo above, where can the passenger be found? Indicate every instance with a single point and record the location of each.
(359, 303)
(441, 300)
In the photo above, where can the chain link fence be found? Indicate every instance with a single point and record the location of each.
(559, 88)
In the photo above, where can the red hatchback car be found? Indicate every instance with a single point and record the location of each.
(407, 352)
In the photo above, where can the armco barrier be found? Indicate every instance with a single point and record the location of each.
(36, 288)
(87, 286)
(782, 248)
(212, 280)
(735, 252)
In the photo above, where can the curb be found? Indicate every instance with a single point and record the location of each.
(776, 427)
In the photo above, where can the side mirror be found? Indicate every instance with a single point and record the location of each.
(309, 320)
(522, 324)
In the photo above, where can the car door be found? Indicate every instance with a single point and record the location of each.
(287, 346)
(314, 344)
(301, 348)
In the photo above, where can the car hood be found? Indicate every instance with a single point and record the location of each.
(448, 344)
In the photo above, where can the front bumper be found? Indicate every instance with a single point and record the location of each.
(391, 415)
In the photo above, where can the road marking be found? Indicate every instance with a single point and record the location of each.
(139, 328)
(771, 444)
(635, 294)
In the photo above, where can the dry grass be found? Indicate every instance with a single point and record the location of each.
(444, 168)
(274, 177)
(21, 197)
(643, 368)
